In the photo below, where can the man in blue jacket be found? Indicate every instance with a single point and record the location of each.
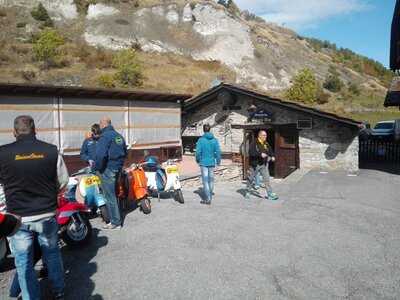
(208, 154)
(88, 149)
(111, 152)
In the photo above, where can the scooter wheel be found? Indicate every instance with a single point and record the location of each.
(145, 205)
(178, 196)
(78, 231)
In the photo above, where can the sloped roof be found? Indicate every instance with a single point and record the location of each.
(209, 95)
(83, 92)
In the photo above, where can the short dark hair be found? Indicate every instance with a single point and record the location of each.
(24, 125)
(96, 129)
(206, 127)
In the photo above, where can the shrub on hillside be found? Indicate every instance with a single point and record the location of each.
(40, 14)
(230, 5)
(28, 74)
(304, 88)
(129, 69)
(322, 96)
(46, 45)
(106, 80)
(332, 81)
(354, 89)
(83, 5)
(248, 16)
(4, 56)
(94, 57)
(21, 24)
(192, 5)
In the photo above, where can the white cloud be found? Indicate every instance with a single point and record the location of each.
(299, 14)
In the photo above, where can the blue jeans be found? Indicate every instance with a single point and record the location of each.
(207, 175)
(15, 289)
(22, 248)
(108, 182)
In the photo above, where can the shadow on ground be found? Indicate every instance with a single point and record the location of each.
(130, 206)
(200, 192)
(252, 192)
(79, 269)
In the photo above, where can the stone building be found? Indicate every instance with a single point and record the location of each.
(301, 136)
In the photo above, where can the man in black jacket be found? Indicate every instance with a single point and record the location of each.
(32, 173)
(260, 154)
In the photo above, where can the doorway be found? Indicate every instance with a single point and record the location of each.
(286, 150)
(250, 137)
(284, 139)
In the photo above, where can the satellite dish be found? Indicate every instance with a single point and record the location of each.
(227, 98)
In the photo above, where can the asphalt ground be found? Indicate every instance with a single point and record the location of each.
(330, 236)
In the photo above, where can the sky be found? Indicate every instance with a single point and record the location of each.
(360, 25)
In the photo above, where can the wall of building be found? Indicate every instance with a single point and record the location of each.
(65, 121)
(146, 125)
(329, 145)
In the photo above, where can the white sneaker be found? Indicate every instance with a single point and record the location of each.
(110, 226)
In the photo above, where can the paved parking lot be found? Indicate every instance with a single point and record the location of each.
(330, 236)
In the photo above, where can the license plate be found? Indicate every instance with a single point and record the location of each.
(172, 170)
(92, 180)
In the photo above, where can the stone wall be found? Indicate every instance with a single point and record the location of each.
(329, 145)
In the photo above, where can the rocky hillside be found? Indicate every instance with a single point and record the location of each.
(181, 45)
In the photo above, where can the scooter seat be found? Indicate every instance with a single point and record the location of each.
(150, 168)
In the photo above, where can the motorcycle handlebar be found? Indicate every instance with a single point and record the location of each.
(84, 171)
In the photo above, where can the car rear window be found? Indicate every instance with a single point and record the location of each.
(384, 126)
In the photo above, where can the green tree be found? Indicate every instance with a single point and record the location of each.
(129, 69)
(40, 14)
(45, 46)
(304, 88)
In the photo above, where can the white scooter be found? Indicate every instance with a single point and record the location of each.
(163, 178)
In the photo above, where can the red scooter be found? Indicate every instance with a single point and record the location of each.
(73, 219)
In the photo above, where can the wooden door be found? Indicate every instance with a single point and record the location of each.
(286, 151)
(249, 137)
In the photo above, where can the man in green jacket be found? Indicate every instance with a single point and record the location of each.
(208, 154)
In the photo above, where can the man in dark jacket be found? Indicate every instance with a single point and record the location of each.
(111, 152)
(260, 154)
(208, 154)
(88, 149)
(32, 173)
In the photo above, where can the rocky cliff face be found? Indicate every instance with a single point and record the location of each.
(263, 56)
(203, 31)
